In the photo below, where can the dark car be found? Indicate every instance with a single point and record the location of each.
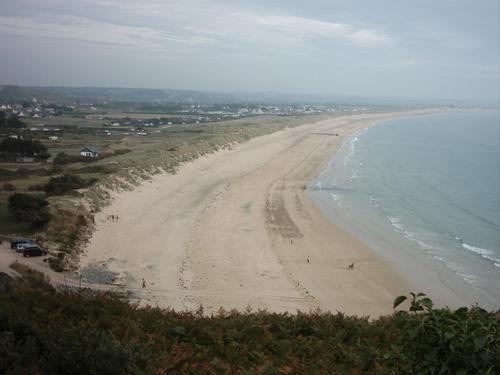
(33, 251)
(17, 241)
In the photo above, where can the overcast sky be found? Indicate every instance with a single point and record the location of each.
(412, 48)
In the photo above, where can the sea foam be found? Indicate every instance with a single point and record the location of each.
(485, 253)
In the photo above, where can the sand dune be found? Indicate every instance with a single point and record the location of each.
(237, 229)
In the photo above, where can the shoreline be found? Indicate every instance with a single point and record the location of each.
(237, 228)
(442, 284)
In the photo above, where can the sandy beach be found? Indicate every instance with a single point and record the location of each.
(237, 229)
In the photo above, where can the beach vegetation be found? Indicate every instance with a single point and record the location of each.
(65, 183)
(44, 330)
(63, 158)
(30, 209)
(11, 148)
(8, 187)
(463, 341)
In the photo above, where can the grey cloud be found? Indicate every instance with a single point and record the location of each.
(387, 47)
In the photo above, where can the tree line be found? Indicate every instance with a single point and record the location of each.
(10, 121)
(11, 148)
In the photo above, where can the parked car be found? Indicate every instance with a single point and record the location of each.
(17, 241)
(20, 246)
(33, 251)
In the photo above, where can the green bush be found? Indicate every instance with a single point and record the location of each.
(441, 341)
(122, 151)
(28, 208)
(36, 187)
(62, 158)
(56, 263)
(13, 147)
(63, 184)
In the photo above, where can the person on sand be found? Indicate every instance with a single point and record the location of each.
(351, 266)
(143, 283)
(308, 260)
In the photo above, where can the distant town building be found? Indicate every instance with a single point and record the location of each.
(53, 138)
(89, 151)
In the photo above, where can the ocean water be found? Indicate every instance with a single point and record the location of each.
(428, 184)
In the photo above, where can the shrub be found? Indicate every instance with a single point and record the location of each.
(28, 208)
(8, 187)
(36, 187)
(65, 183)
(14, 147)
(88, 332)
(122, 151)
(441, 341)
(56, 263)
(62, 158)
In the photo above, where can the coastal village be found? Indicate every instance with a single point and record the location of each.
(48, 121)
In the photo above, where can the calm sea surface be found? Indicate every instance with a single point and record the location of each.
(430, 184)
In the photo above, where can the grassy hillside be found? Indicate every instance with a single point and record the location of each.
(47, 331)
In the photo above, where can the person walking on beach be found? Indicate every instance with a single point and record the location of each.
(143, 283)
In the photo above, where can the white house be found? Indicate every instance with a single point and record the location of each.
(89, 151)
(53, 138)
